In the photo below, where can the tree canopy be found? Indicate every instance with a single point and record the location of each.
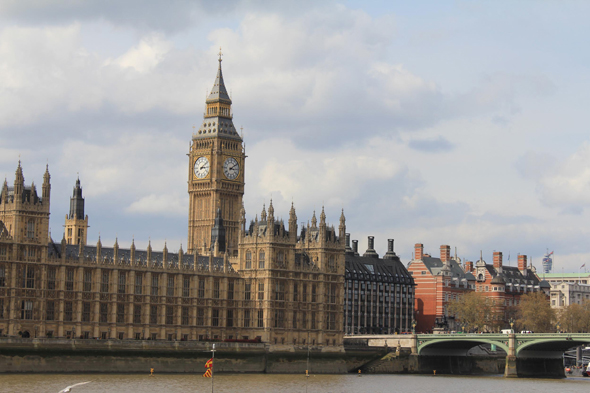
(475, 311)
(534, 313)
(575, 318)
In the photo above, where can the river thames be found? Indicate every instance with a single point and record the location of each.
(255, 383)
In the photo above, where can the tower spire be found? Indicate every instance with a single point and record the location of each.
(218, 92)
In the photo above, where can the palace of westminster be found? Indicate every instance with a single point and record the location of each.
(265, 280)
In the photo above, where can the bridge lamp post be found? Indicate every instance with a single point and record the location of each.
(413, 326)
(511, 324)
(557, 327)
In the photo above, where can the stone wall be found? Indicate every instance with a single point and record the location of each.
(113, 356)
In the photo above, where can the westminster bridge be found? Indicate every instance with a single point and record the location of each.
(531, 354)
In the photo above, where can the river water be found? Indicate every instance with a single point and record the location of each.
(256, 383)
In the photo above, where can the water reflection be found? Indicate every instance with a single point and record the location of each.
(256, 383)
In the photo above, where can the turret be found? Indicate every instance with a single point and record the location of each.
(292, 224)
(342, 228)
(149, 253)
(263, 214)
(196, 258)
(19, 183)
(4, 194)
(63, 246)
(46, 186)
(116, 250)
(165, 255)
(271, 213)
(132, 251)
(314, 221)
(218, 233)
(76, 222)
(243, 220)
(98, 249)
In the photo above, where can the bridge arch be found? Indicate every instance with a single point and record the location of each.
(459, 342)
(558, 344)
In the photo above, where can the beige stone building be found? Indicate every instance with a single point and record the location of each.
(566, 293)
(264, 281)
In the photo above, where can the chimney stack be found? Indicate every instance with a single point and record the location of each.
(468, 266)
(371, 248)
(522, 263)
(497, 260)
(355, 247)
(347, 248)
(418, 251)
(390, 254)
(445, 253)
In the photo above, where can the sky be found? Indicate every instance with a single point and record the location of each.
(456, 122)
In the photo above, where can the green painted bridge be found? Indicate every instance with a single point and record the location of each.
(526, 354)
(519, 345)
(531, 354)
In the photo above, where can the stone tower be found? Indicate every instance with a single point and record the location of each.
(25, 215)
(216, 175)
(76, 222)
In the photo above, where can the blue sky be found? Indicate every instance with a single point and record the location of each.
(459, 122)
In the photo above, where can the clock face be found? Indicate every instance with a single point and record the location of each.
(231, 168)
(201, 167)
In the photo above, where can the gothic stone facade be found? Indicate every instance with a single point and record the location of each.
(265, 281)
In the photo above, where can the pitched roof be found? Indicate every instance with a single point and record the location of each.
(219, 92)
(375, 269)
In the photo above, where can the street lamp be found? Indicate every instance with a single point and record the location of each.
(414, 326)
(143, 334)
(511, 324)
(74, 333)
(558, 326)
(463, 324)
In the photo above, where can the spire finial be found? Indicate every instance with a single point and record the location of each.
(220, 54)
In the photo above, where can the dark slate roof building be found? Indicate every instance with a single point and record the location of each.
(379, 292)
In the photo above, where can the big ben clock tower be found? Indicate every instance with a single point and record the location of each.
(216, 175)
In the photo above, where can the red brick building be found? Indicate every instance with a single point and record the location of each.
(440, 280)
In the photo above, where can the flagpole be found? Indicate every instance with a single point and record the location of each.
(212, 364)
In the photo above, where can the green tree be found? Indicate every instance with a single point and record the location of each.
(575, 317)
(475, 310)
(534, 313)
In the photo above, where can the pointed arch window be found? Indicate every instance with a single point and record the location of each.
(248, 260)
(281, 259)
(31, 229)
(261, 260)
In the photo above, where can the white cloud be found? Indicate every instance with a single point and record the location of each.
(562, 184)
(146, 55)
(165, 204)
(335, 103)
(131, 165)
